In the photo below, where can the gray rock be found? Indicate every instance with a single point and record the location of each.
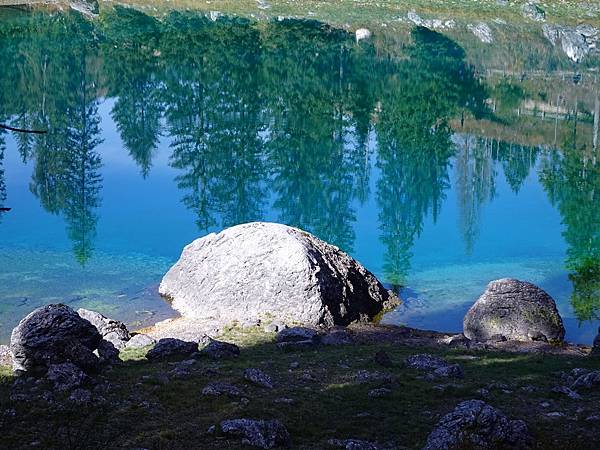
(258, 377)
(297, 334)
(567, 391)
(140, 341)
(435, 366)
(476, 425)
(587, 381)
(534, 12)
(6, 358)
(380, 393)
(108, 353)
(169, 348)
(337, 337)
(257, 269)
(217, 389)
(264, 434)
(296, 346)
(482, 31)
(220, 350)
(516, 310)
(577, 42)
(66, 376)
(54, 334)
(111, 330)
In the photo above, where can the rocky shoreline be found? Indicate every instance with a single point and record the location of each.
(291, 318)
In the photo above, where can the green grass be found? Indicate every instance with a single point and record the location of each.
(331, 405)
(356, 13)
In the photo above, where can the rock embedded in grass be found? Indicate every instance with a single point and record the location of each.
(258, 377)
(475, 424)
(265, 434)
(140, 340)
(515, 310)
(219, 350)
(252, 270)
(435, 367)
(170, 347)
(66, 376)
(216, 389)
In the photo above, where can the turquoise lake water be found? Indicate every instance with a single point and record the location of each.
(415, 158)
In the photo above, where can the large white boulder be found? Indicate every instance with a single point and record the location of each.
(266, 270)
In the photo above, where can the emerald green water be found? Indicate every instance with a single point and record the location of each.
(437, 167)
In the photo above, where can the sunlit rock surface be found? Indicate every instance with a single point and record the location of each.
(264, 269)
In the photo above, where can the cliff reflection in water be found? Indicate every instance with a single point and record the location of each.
(289, 118)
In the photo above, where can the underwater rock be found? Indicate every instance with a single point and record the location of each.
(54, 334)
(265, 269)
(516, 310)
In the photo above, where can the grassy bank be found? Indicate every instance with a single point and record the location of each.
(147, 407)
(356, 13)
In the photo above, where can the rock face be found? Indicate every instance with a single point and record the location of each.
(517, 310)
(264, 434)
(257, 269)
(54, 334)
(111, 330)
(576, 42)
(476, 425)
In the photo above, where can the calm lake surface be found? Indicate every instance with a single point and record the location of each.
(437, 162)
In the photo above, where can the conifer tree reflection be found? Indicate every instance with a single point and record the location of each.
(415, 145)
(133, 71)
(213, 112)
(572, 181)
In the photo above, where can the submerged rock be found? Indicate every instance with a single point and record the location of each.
(516, 310)
(111, 330)
(169, 348)
(258, 269)
(54, 334)
(264, 434)
(476, 425)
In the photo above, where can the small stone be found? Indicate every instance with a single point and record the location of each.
(274, 327)
(364, 376)
(593, 418)
(284, 400)
(437, 367)
(545, 404)
(353, 444)
(338, 337)
(217, 389)
(587, 381)
(380, 393)
(296, 346)
(362, 33)
(555, 415)
(483, 393)
(567, 391)
(258, 377)
(294, 365)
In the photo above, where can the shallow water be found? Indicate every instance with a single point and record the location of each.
(425, 161)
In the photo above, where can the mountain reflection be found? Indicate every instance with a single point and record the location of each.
(289, 117)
